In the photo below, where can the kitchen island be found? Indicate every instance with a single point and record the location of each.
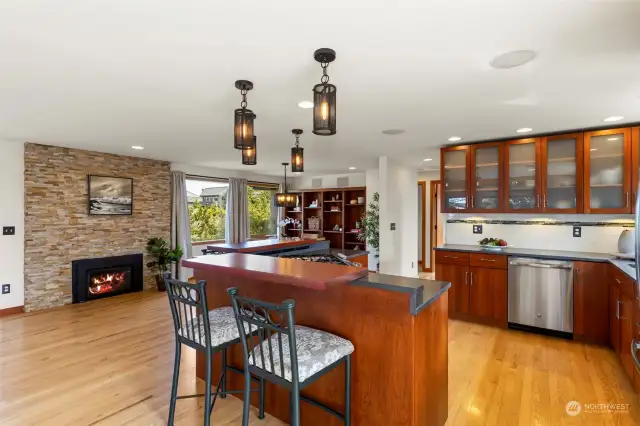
(397, 325)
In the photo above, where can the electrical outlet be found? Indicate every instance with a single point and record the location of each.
(8, 230)
(577, 231)
(477, 229)
(6, 288)
(393, 226)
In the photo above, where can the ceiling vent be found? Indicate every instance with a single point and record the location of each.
(343, 182)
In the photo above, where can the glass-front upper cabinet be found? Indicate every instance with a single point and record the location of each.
(485, 191)
(561, 173)
(607, 171)
(455, 179)
(635, 164)
(522, 176)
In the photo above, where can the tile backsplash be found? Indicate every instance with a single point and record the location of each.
(554, 232)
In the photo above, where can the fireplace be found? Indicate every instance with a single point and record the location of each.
(105, 277)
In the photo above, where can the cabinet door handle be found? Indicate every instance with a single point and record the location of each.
(617, 309)
(488, 260)
(472, 206)
(618, 281)
(544, 201)
(466, 277)
(451, 257)
(537, 200)
(626, 199)
(471, 280)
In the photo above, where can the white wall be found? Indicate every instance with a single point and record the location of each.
(596, 239)
(12, 214)
(224, 173)
(399, 205)
(328, 181)
(427, 177)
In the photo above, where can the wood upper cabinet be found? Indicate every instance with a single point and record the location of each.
(522, 176)
(635, 164)
(607, 171)
(561, 173)
(591, 302)
(454, 175)
(486, 178)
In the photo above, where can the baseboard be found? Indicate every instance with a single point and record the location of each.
(11, 311)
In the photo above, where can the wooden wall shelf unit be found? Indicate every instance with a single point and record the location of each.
(579, 172)
(334, 208)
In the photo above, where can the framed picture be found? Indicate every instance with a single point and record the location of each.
(110, 195)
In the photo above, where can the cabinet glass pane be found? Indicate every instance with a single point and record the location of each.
(455, 180)
(522, 176)
(606, 161)
(487, 178)
(561, 174)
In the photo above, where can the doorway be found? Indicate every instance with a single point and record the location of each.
(436, 225)
(422, 225)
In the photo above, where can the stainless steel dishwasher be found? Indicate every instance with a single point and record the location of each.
(541, 294)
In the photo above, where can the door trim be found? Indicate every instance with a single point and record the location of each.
(422, 185)
(433, 213)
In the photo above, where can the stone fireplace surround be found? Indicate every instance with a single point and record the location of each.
(58, 229)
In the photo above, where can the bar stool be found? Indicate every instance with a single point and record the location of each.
(211, 333)
(289, 355)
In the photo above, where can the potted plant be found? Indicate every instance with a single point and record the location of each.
(371, 227)
(162, 257)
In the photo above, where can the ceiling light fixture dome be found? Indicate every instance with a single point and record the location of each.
(454, 139)
(250, 155)
(393, 131)
(297, 153)
(324, 97)
(524, 130)
(243, 119)
(614, 118)
(512, 59)
(305, 104)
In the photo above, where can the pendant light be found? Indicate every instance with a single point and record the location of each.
(243, 119)
(297, 153)
(324, 97)
(250, 155)
(284, 199)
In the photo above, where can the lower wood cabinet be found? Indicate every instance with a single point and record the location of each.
(477, 293)
(621, 320)
(590, 302)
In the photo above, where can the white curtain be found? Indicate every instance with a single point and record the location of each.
(180, 228)
(237, 221)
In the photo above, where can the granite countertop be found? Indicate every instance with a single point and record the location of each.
(622, 264)
(349, 253)
(423, 292)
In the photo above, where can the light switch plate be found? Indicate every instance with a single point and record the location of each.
(477, 229)
(393, 226)
(8, 230)
(6, 288)
(577, 231)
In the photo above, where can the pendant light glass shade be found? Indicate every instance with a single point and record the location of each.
(243, 119)
(297, 153)
(324, 97)
(250, 155)
(285, 199)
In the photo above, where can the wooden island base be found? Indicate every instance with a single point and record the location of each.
(399, 371)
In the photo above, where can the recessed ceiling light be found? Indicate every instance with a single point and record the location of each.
(305, 104)
(524, 130)
(427, 159)
(512, 59)
(614, 118)
(137, 147)
(612, 139)
(454, 139)
(393, 131)
(352, 168)
(593, 149)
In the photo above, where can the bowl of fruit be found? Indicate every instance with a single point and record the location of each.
(493, 244)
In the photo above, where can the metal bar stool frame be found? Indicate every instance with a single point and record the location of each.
(260, 315)
(188, 304)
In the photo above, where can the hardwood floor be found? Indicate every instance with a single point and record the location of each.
(109, 362)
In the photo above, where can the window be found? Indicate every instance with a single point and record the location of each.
(207, 199)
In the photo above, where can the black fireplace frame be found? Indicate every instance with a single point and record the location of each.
(80, 269)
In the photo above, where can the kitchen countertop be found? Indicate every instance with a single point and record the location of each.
(622, 264)
(423, 292)
(258, 245)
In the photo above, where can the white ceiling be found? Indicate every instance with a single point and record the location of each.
(109, 74)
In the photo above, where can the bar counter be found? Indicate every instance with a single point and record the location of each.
(397, 325)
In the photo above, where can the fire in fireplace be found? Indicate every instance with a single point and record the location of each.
(106, 276)
(105, 281)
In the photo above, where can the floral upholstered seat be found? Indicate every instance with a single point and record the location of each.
(223, 327)
(316, 351)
